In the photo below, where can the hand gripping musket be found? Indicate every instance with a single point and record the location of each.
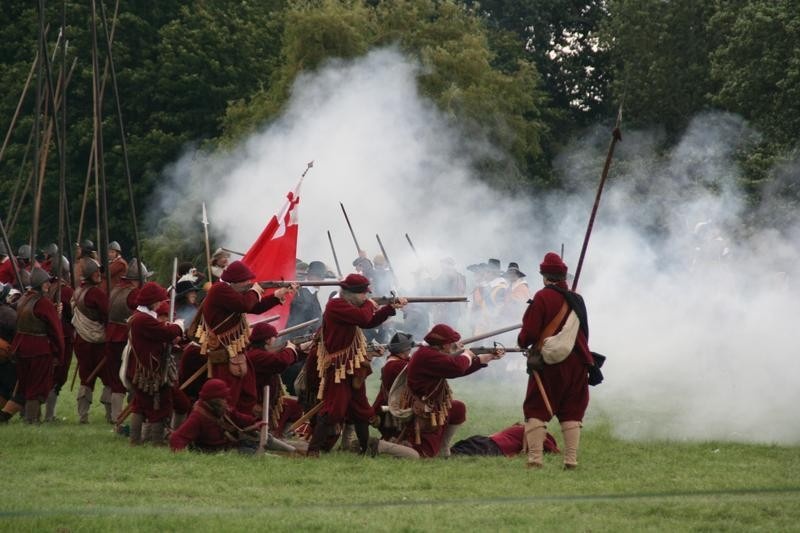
(388, 300)
(335, 258)
(616, 136)
(279, 284)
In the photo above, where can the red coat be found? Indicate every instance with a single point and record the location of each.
(7, 271)
(223, 300)
(204, 431)
(342, 319)
(565, 383)
(31, 345)
(268, 364)
(428, 367)
(116, 268)
(394, 365)
(148, 337)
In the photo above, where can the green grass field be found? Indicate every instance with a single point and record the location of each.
(65, 477)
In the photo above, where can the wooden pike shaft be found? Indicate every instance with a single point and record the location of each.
(335, 258)
(306, 417)
(350, 226)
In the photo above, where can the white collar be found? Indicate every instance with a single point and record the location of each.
(147, 311)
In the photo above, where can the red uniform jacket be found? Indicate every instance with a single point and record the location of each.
(51, 342)
(428, 367)
(223, 301)
(148, 336)
(389, 372)
(204, 431)
(342, 319)
(6, 271)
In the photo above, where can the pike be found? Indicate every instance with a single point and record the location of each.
(387, 300)
(335, 258)
(347, 219)
(208, 247)
(616, 136)
(413, 248)
(385, 256)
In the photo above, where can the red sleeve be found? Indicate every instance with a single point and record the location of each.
(447, 366)
(267, 303)
(46, 311)
(265, 362)
(242, 419)
(226, 297)
(185, 434)
(365, 316)
(97, 299)
(533, 321)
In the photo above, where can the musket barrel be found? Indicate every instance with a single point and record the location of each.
(490, 334)
(385, 300)
(278, 284)
(298, 327)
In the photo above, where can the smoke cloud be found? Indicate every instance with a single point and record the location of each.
(693, 308)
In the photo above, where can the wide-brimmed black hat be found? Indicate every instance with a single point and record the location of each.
(400, 342)
(185, 287)
(513, 270)
(317, 269)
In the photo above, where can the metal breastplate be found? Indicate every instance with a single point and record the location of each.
(118, 310)
(27, 322)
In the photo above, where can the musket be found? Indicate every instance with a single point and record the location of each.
(279, 284)
(347, 219)
(271, 318)
(491, 349)
(386, 300)
(208, 246)
(297, 327)
(234, 252)
(616, 136)
(490, 334)
(385, 256)
(335, 258)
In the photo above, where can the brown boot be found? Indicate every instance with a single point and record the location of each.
(136, 429)
(572, 437)
(105, 399)
(117, 401)
(157, 433)
(50, 407)
(535, 433)
(321, 431)
(84, 404)
(33, 411)
(449, 431)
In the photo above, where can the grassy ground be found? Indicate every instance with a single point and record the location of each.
(65, 477)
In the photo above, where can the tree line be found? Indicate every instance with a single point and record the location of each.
(530, 76)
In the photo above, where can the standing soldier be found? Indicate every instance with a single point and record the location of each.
(60, 283)
(121, 304)
(6, 267)
(84, 252)
(437, 415)
(149, 369)
(223, 331)
(117, 266)
(565, 382)
(89, 316)
(9, 404)
(341, 354)
(38, 344)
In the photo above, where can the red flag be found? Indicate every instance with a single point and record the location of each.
(273, 255)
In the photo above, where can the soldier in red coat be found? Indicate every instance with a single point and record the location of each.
(223, 331)
(565, 383)
(509, 442)
(436, 414)
(89, 316)
(121, 304)
(117, 266)
(212, 426)
(6, 267)
(269, 360)
(38, 344)
(60, 284)
(342, 360)
(399, 347)
(149, 369)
